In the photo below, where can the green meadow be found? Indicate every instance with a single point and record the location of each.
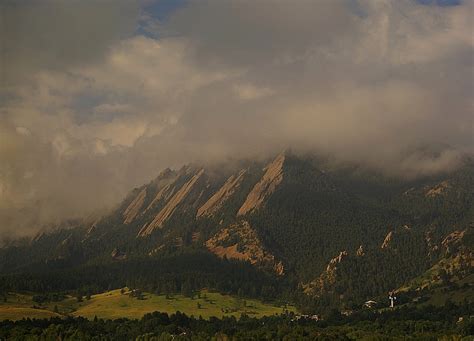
(116, 304)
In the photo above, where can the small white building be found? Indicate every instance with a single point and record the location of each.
(370, 304)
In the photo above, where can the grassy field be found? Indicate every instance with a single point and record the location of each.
(17, 313)
(18, 306)
(114, 304)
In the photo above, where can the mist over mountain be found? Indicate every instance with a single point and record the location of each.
(295, 228)
(98, 98)
(237, 170)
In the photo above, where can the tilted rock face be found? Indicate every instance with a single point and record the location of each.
(163, 184)
(328, 278)
(394, 240)
(240, 241)
(171, 205)
(387, 241)
(134, 208)
(222, 195)
(163, 194)
(265, 187)
(332, 266)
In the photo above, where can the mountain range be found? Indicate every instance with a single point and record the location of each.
(296, 228)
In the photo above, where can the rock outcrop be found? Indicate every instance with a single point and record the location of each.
(387, 241)
(168, 210)
(453, 242)
(134, 208)
(165, 187)
(397, 238)
(163, 195)
(240, 241)
(118, 255)
(222, 195)
(437, 190)
(333, 263)
(265, 187)
(360, 251)
(328, 278)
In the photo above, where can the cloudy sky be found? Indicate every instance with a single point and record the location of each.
(98, 96)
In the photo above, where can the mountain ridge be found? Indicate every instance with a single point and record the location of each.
(285, 217)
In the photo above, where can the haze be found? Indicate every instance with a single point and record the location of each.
(98, 96)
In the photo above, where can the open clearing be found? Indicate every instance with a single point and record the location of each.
(114, 304)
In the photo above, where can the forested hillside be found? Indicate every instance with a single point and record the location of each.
(292, 228)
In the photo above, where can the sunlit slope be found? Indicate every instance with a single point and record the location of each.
(117, 304)
(114, 304)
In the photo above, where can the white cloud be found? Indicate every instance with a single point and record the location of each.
(23, 131)
(239, 79)
(251, 92)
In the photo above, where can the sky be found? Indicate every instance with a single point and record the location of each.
(98, 96)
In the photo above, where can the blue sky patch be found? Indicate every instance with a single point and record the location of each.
(161, 9)
(158, 11)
